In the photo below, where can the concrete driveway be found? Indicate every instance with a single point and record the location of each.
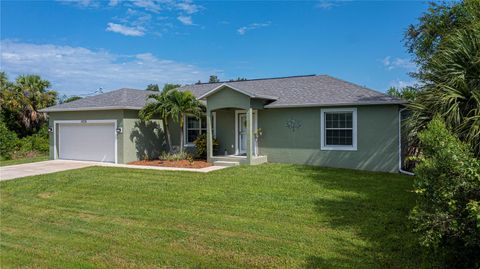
(47, 167)
(39, 168)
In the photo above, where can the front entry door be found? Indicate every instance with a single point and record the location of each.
(242, 133)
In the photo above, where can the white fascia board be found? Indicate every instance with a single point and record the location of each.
(333, 104)
(89, 109)
(214, 90)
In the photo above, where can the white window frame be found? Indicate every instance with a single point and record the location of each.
(323, 145)
(185, 128)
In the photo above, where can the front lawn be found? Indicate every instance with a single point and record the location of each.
(272, 215)
(23, 160)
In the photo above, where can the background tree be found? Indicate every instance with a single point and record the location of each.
(213, 79)
(238, 79)
(445, 125)
(22, 100)
(152, 87)
(423, 39)
(407, 93)
(451, 88)
(68, 99)
(169, 86)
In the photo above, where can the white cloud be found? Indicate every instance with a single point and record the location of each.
(244, 29)
(142, 17)
(78, 70)
(149, 5)
(82, 3)
(188, 7)
(325, 4)
(187, 20)
(402, 83)
(124, 30)
(398, 63)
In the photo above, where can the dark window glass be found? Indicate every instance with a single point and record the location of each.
(195, 126)
(192, 122)
(192, 135)
(339, 128)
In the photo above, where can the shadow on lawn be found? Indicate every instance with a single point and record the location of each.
(372, 206)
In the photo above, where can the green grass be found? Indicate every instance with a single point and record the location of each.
(272, 215)
(24, 160)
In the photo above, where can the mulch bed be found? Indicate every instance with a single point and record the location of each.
(180, 164)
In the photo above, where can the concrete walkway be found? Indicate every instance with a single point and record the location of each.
(39, 168)
(46, 167)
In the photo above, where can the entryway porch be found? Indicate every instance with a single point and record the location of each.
(236, 131)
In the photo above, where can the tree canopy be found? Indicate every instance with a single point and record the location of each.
(446, 46)
(21, 101)
(423, 39)
(213, 79)
(153, 87)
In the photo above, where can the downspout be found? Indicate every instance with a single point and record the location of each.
(400, 145)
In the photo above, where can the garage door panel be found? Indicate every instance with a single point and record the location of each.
(87, 141)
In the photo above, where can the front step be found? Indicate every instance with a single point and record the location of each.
(225, 163)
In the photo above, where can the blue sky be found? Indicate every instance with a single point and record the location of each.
(81, 46)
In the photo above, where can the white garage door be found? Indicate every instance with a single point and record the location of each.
(86, 141)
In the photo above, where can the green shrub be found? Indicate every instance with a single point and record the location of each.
(175, 156)
(35, 142)
(447, 182)
(201, 145)
(8, 142)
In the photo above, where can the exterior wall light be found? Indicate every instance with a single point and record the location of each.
(50, 129)
(119, 130)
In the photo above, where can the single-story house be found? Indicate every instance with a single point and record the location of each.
(315, 119)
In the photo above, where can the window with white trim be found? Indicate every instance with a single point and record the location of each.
(339, 129)
(196, 126)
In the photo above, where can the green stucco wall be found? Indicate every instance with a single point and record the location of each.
(228, 98)
(225, 132)
(142, 139)
(377, 134)
(139, 140)
(377, 144)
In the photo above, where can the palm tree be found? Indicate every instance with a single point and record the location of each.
(184, 103)
(35, 97)
(25, 98)
(451, 88)
(159, 105)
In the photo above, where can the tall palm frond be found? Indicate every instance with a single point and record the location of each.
(159, 105)
(184, 103)
(451, 88)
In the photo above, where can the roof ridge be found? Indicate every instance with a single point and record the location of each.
(253, 79)
(358, 85)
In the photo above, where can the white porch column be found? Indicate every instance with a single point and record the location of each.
(250, 140)
(209, 136)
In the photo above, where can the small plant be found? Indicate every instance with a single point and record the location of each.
(167, 156)
(258, 133)
(201, 145)
(189, 159)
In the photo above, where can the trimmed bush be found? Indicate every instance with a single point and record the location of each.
(167, 156)
(8, 142)
(447, 182)
(35, 142)
(201, 146)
